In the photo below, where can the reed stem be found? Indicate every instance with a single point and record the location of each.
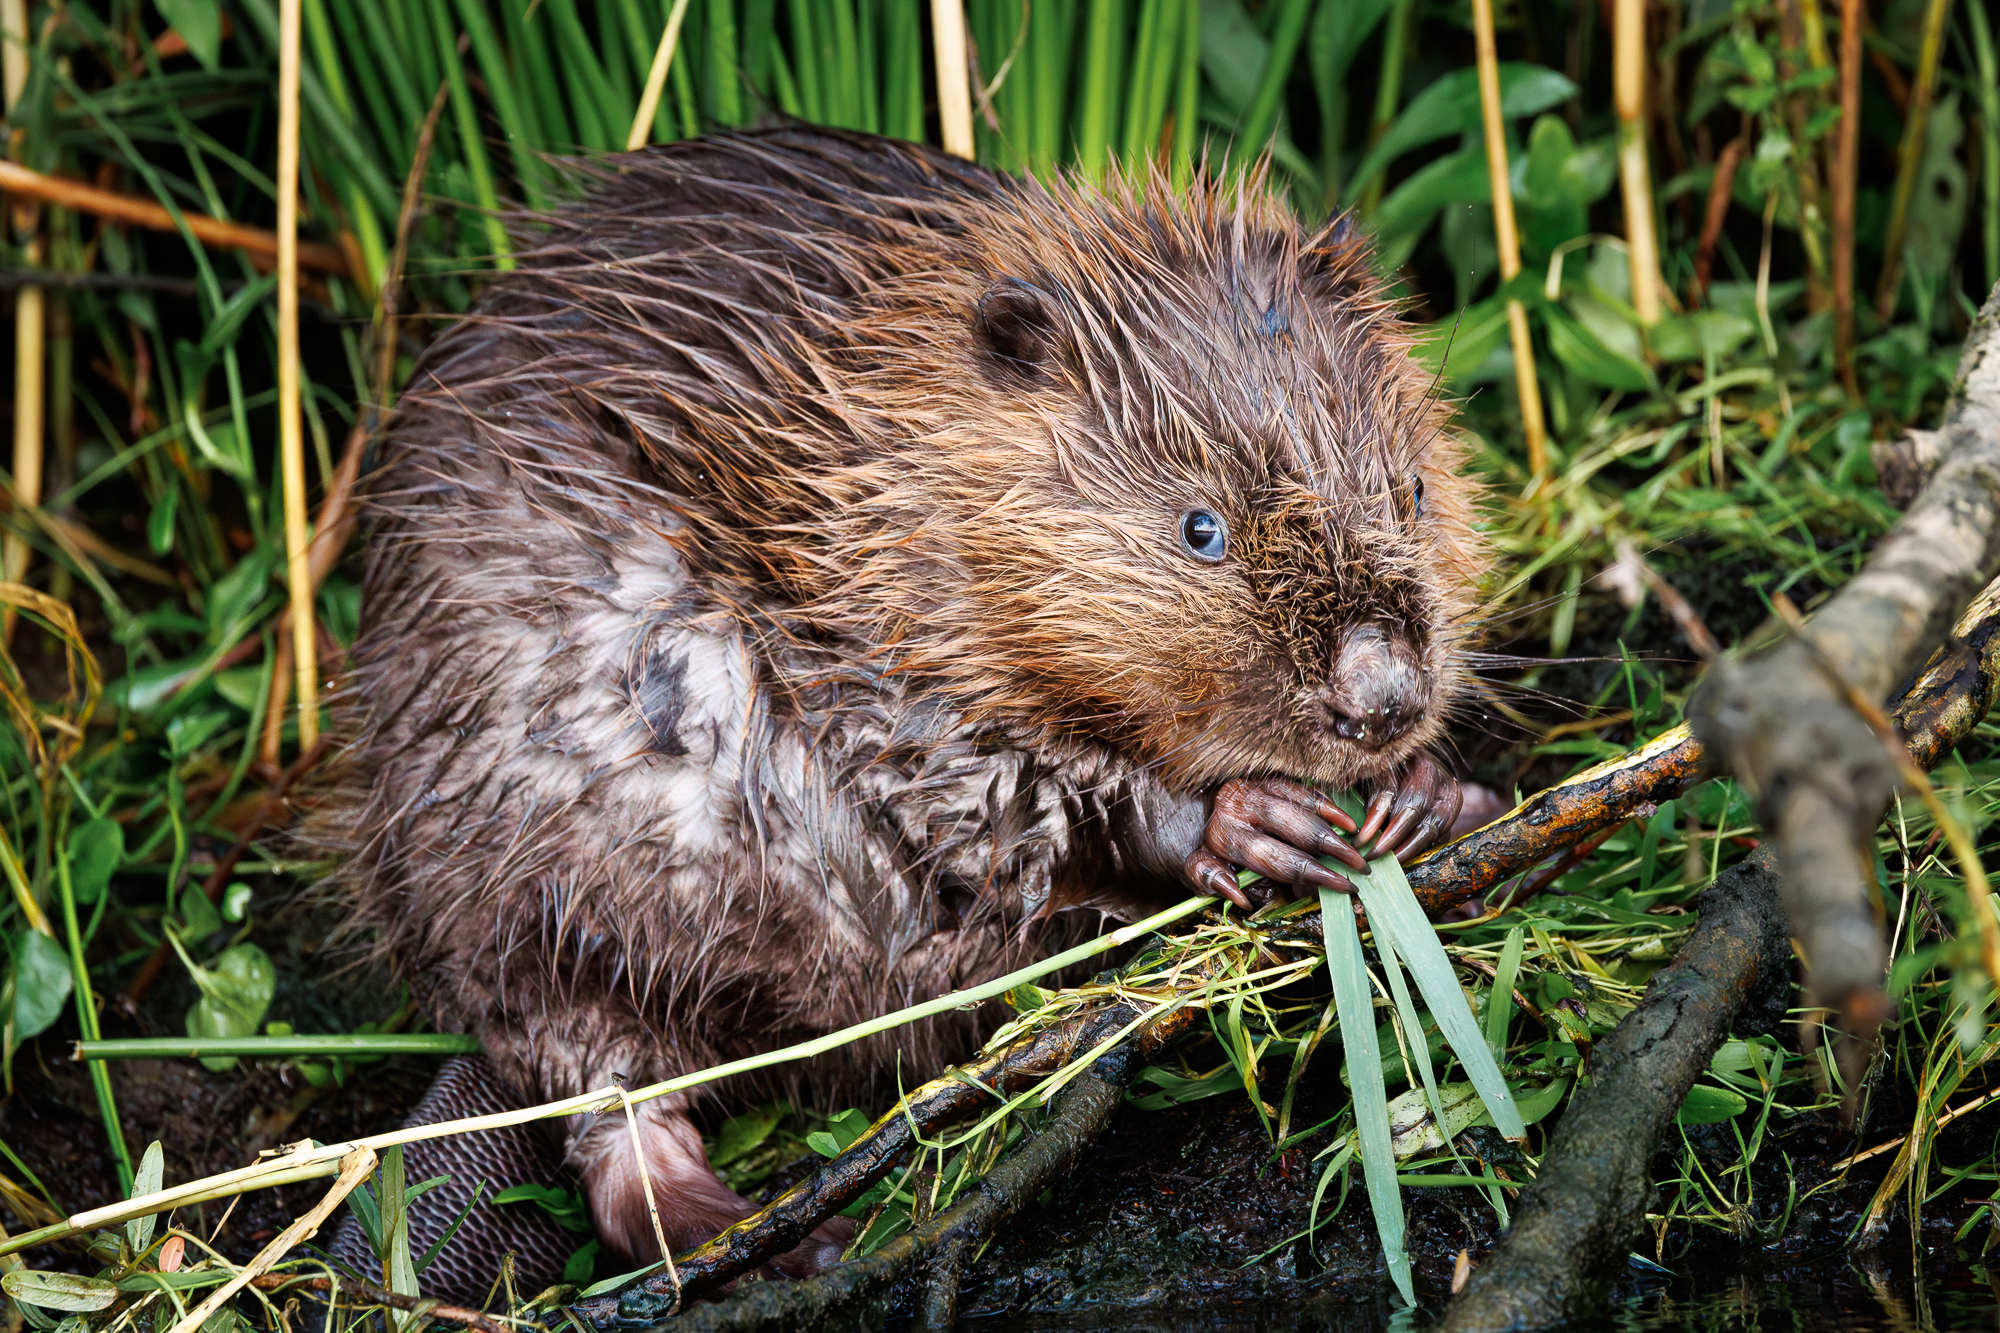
(29, 322)
(656, 79)
(1910, 155)
(291, 440)
(1847, 164)
(1628, 65)
(954, 80)
(1505, 235)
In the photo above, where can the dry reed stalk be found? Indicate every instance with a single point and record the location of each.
(1629, 80)
(954, 77)
(656, 79)
(354, 1168)
(1846, 169)
(19, 180)
(291, 441)
(1910, 154)
(1507, 237)
(28, 324)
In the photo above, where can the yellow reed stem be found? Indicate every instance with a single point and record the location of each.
(1910, 154)
(28, 322)
(656, 79)
(291, 441)
(954, 79)
(1506, 235)
(1628, 41)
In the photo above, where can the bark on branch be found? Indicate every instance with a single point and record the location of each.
(1782, 721)
(1573, 1227)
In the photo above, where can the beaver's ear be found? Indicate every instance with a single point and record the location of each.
(1338, 264)
(1016, 324)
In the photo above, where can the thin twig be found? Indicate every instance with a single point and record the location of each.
(19, 180)
(374, 1295)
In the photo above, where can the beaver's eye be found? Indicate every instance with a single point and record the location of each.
(1203, 535)
(1417, 491)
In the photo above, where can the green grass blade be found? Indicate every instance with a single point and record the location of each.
(1500, 1004)
(469, 137)
(1187, 95)
(1385, 892)
(725, 94)
(806, 61)
(1417, 1051)
(1371, 1100)
(493, 67)
(1260, 120)
(902, 70)
(600, 122)
(1097, 100)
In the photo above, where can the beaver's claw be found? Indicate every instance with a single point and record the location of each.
(1277, 828)
(1409, 815)
(1280, 828)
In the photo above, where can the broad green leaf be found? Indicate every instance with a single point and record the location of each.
(41, 980)
(1450, 105)
(96, 849)
(1555, 184)
(235, 992)
(1385, 893)
(235, 596)
(146, 1180)
(583, 1263)
(1356, 1010)
(1537, 1105)
(199, 22)
(1690, 337)
(1705, 1105)
(59, 1291)
(1400, 222)
(197, 913)
(1233, 53)
(240, 686)
(1414, 1118)
(565, 1206)
(743, 1133)
(1582, 353)
(160, 523)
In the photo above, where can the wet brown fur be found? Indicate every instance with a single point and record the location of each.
(756, 639)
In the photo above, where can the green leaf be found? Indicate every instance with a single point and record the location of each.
(96, 849)
(580, 1265)
(566, 1206)
(823, 1143)
(235, 992)
(741, 1134)
(1356, 1010)
(199, 22)
(146, 1180)
(1583, 353)
(197, 913)
(1500, 1000)
(1690, 337)
(235, 596)
(1404, 216)
(240, 686)
(1450, 105)
(1385, 893)
(59, 1291)
(160, 523)
(1556, 183)
(1705, 1105)
(1233, 53)
(41, 981)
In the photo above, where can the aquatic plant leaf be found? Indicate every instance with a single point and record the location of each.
(1385, 893)
(146, 1180)
(95, 850)
(59, 1291)
(1371, 1102)
(1704, 1105)
(41, 982)
(1500, 1000)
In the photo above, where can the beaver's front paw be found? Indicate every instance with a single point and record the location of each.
(1277, 828)
(1405, 817)
(818, 1252)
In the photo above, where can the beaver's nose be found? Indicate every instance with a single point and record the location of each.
(1376, 691)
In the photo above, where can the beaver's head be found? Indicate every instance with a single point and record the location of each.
(1162, 471)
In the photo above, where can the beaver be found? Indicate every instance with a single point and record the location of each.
(821, 562)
